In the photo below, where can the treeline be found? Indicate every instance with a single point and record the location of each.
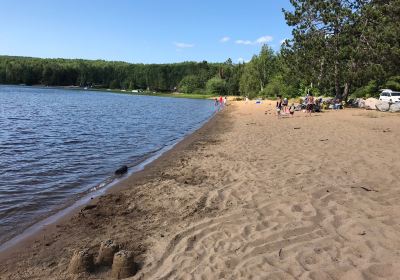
(187, 77)
(343, 47)
(339, 48)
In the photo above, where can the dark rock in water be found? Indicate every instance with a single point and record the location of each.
(122, 170)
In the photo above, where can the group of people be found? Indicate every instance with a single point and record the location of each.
(220, 102)
(282, 107)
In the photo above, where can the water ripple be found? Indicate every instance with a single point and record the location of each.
(57, 144)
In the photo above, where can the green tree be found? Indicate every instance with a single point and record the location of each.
(115, 84)
(100, 73)
(190, 84)
(321, 30)
(216, 86)
(249, 83)
(340, 46)
(258, 72)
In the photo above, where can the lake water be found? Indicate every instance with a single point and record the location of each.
(56, 145)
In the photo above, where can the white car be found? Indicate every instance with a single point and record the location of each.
(390, 96)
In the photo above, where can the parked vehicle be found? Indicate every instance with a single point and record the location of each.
(390, 96)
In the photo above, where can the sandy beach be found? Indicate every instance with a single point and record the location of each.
(248, 196)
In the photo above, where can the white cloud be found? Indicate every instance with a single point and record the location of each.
(264, 39)
(243, 42)
(183, 45)
(242, 60)
(225, 39)
(261, 40)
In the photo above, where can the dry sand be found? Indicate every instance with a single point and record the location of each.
(247, 197)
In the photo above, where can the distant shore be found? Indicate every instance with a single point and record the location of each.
(122, 91)
(247, 195)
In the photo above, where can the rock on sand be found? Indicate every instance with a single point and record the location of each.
(382, 106)
(394, 108)
(370, 103)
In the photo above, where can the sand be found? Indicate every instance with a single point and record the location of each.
(248, 196)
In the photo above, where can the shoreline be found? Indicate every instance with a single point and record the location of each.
(82, 201)
(247, 196)
(88, 196)
(136, 173)
(119, 91)
(79, 199)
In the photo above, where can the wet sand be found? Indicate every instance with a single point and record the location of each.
(248, 196)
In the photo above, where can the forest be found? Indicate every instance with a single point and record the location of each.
(338, 48)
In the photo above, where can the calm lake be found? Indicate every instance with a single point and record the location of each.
(56, 145)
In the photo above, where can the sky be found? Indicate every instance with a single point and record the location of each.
(142, 31)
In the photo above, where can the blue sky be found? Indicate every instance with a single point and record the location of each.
(142, 31)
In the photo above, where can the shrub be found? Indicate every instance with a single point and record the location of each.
(190, 84)
(277, 87)
(393, 83)
(115, 84)
(369, 90)
(216, 86)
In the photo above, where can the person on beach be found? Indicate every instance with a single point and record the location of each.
(310, 104)
(247, 99)
(225, 101)
(285, 104)
(337, 104)
(216, 103)
(221, 102)
(279, 106)
(292, 108)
